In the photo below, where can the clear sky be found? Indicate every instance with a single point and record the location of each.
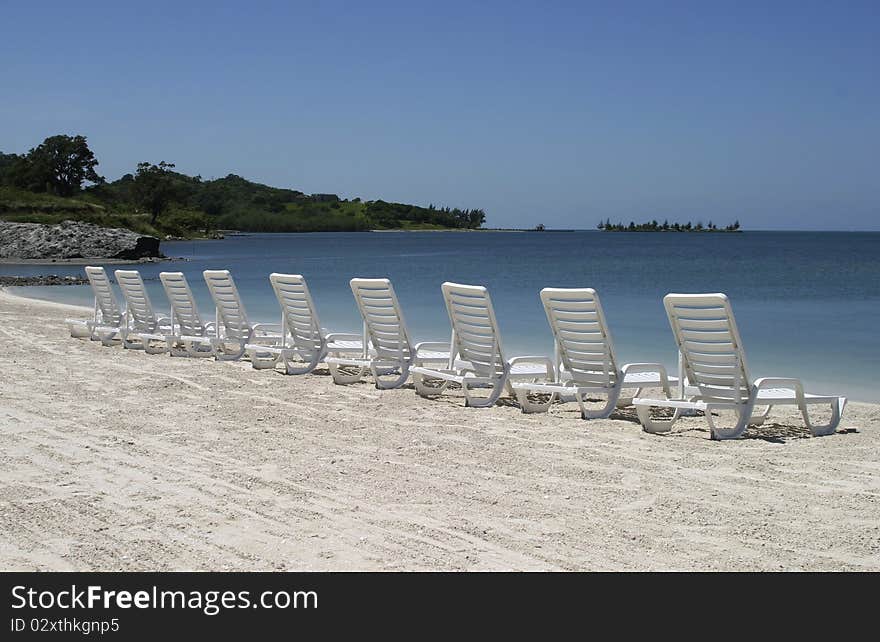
(538, 112)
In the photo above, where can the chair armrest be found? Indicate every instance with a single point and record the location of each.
(343, 336)
(266, 327)
(644, 367)
(439, 346)
(779, 382)
(544, 361)
(659, 368)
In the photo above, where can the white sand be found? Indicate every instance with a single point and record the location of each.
(117, 460)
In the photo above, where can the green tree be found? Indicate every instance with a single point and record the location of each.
(60, 164)
(155, 189)
(476, 219)
(7, 162)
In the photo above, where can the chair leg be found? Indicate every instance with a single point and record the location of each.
(128, 344)
(263, 360)
(191, 349)
(623, 402)
(155, 347)
(343, 378)
(221, 354)
(425, 390)
(181, 348)
(484, 402)
(603, 413)
(382, 384)
(743, 417)
(79, 330)
(655, 426)
(759, 418)
(829, 428)
(107, 339)
(528, 406)
(308, 366)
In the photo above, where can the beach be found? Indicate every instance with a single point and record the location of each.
(114, 460)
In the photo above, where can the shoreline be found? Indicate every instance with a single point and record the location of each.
(237, 469)
(41, 280)
(86, 261)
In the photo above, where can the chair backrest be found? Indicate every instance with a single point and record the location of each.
(583, 341)
(229, 306)
(477, 339)
(383, 318)
(708, 340)
(298, 310)
(138, 306)
(111, 314)
(184, 311)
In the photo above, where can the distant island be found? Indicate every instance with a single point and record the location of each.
(666, 226)
(58, 181)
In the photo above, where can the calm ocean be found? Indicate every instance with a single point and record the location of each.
(807, 303)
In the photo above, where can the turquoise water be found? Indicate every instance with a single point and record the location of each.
(807, 303)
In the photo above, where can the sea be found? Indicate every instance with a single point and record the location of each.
(807, 303)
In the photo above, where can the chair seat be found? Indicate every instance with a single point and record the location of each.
(192, 338)
(149, 336)
(788, 395)
(345, 346)
(427, 355)
(636, 379)
(255, 347)
(455, 376)
(528, 370)
(646, 379)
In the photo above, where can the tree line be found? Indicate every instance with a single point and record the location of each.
(157, 198)
(666, 226)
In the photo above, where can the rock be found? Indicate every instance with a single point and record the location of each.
(73, 240)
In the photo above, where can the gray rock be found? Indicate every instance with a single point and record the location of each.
(48, 279)
(73, 240)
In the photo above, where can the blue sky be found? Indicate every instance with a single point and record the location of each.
(557, 113)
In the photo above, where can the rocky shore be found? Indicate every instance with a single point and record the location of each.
(73, 240)
(47, 279)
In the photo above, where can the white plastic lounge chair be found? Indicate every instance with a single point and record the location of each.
(107, 321)
(587, 362)
(234, 331)
(304, 344)
(389, 348)
(481, 362)
(715, 363)
(189, 336)
(143, 329)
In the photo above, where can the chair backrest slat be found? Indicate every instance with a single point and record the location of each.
(477, 338)
(708, 339)
(383, 318)
(298, 309)
(583, 341)
(230, 309)
(138, 306)
(111, 314)
(184, 310)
